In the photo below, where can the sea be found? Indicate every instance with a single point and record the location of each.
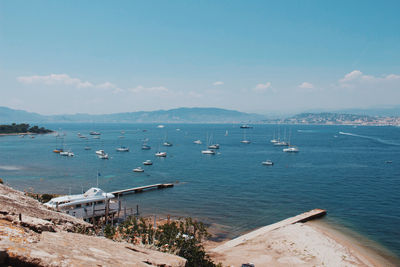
(352, 172)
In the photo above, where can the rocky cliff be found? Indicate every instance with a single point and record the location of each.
(32, 235)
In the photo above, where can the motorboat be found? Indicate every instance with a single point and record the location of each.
(138, 169)
(167, 144)
(148, 162)
(161, 154)
(291, 149)
(104, 156)
(214, 146)
(90, 204)
(245, 141)
(146, 147)
(208, 152)
(197, 142)
(67, 154)
(100, 152)
(281, 143)
(88, 148)
(245, 126)
(267, 162)
(160, 126)
(96, 137)
(94, 133)
(123, 149)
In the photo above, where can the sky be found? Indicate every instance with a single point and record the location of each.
(253, 56)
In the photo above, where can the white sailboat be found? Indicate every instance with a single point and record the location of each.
(208, 151)
(290, 148)
(245, 141)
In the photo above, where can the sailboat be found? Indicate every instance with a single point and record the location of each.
(274, 140)
(213, 146)
(166, 143)
(282, 143)
(245, 141)
(208, 150)
(226, 133)
(291, 148)
(57, 150)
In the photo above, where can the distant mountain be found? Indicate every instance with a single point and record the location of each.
(179, 115)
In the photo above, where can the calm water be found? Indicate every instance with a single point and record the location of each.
(346, 174)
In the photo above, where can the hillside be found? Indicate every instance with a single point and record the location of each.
(179, 115)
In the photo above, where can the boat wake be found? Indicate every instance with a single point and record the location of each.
(382, 141)
(10, 168)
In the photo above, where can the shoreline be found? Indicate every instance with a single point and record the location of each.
(310, 243)
(362, 246)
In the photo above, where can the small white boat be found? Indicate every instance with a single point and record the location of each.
(161, 154)
(123, 149)
(197, 142)
(245, 141)
(100, 152)
(267, 162)
(291, 149)
(67, 154)
(104, 156)
(160, 126)
(138, 169)
(274, 141)
(214, 146)
(148, 162)
(94, 133)
(281, 143)
(208, 151)
(146, 147)
(96, 137)
(167, 144)
(88, 148)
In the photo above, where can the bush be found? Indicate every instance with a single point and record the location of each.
(182, 238)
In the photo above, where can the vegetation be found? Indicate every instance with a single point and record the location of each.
(22, 128)
(1, 181)
(182, 238)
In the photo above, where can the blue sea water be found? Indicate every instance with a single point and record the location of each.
(339, 168)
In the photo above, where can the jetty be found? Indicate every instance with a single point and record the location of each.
(141, 189)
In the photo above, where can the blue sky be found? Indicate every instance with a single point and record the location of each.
(254, 56)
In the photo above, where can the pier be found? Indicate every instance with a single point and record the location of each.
(141, 189)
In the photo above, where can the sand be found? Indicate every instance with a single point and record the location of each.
(295, 244)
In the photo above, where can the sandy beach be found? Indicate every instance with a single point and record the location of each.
(296, 244)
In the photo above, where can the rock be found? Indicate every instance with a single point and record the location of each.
(41, 237)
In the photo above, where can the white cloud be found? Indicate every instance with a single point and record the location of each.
(262, 87)
(141, 88)
(218, 83)
(55, 79)
(65, 79)
(356, 77)
(306, 85)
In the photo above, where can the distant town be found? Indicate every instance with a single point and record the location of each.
(340, 119)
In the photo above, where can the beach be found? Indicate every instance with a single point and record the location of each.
(284, 243)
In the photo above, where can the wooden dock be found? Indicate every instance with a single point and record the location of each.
(141, 189)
